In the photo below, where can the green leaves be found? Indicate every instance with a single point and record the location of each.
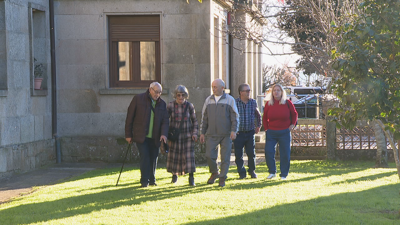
(367, 58)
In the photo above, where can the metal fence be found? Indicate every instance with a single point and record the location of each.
(312, 133)
(361, 137)
(309, 133)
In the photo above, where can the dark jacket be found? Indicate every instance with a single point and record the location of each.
(138, 119)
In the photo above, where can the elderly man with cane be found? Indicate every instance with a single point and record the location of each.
(147, 125)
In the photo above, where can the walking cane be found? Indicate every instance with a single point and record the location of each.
(127, 150)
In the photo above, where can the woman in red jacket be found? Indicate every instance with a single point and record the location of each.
(279, 120)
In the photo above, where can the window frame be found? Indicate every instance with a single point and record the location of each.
(151, 33)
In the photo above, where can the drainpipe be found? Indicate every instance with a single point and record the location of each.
(230, 52)
(54, 83)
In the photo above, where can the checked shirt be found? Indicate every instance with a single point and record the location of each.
(249, 115)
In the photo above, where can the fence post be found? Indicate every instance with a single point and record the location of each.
(330, 139)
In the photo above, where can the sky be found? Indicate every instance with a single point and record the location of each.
(279, 60)
(277, 36)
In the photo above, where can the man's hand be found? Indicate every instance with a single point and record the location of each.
(257, 130)
(202, 138)
(163, 138)
(194, 138)
(129, 140)
(233, 135)
(291, 127)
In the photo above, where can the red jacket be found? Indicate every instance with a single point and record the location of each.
(279, 117)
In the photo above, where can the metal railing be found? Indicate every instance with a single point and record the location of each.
(310, 133)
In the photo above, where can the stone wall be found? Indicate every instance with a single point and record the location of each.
(25, 114)
(113, 149)
(87, 106)
(19, 158)
(108, 149)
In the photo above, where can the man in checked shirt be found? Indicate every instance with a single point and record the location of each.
(250, 124)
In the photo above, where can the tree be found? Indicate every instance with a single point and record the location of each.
(368, 59)
(309, 22)
(303, 24)
(276, 74)
(381, 147)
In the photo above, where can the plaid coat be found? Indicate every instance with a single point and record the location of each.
(180, 158)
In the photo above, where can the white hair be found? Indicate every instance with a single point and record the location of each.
(220, 82)
(152, 85)
(270, 97)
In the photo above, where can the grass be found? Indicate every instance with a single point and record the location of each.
(316, 192)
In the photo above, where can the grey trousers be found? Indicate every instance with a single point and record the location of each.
(212, 143)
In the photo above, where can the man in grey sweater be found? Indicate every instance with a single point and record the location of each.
(219, 124)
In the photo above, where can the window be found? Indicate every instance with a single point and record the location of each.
(39, 49)
(134, 50)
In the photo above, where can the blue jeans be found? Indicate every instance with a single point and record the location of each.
(283, 137)
(148, 160)
(247, 141)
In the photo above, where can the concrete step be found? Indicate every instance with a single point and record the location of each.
(260, 137)
(260, 145)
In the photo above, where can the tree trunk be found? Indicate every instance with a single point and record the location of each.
(392, 143)
(381, 147)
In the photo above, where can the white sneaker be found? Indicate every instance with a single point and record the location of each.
(270, 176)
(283, 178)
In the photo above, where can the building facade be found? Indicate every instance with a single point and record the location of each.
(104, 53)
(26, 140)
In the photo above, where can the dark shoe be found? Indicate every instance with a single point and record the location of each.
(212, 178)
(253, 174)
(174, 178)
(144, 185)
(221, 182)
(242, 176)
(153, 184)
(191, 181)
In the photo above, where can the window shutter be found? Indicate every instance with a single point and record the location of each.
(138, 28)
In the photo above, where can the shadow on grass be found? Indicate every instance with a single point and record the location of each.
(127, 194)
(110, 197)
(343, 208)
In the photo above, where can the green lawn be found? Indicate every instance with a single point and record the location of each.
(316, 192)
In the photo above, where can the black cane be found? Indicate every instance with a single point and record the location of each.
(127, 150)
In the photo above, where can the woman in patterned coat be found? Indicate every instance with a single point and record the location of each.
(180, 158)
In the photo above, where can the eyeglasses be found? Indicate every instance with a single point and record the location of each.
(157, 92)
(246, 91)
(180, 95)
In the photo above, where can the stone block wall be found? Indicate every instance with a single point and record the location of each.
(87, 106)
(25, 114)
(108, 149)
(20, 158)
